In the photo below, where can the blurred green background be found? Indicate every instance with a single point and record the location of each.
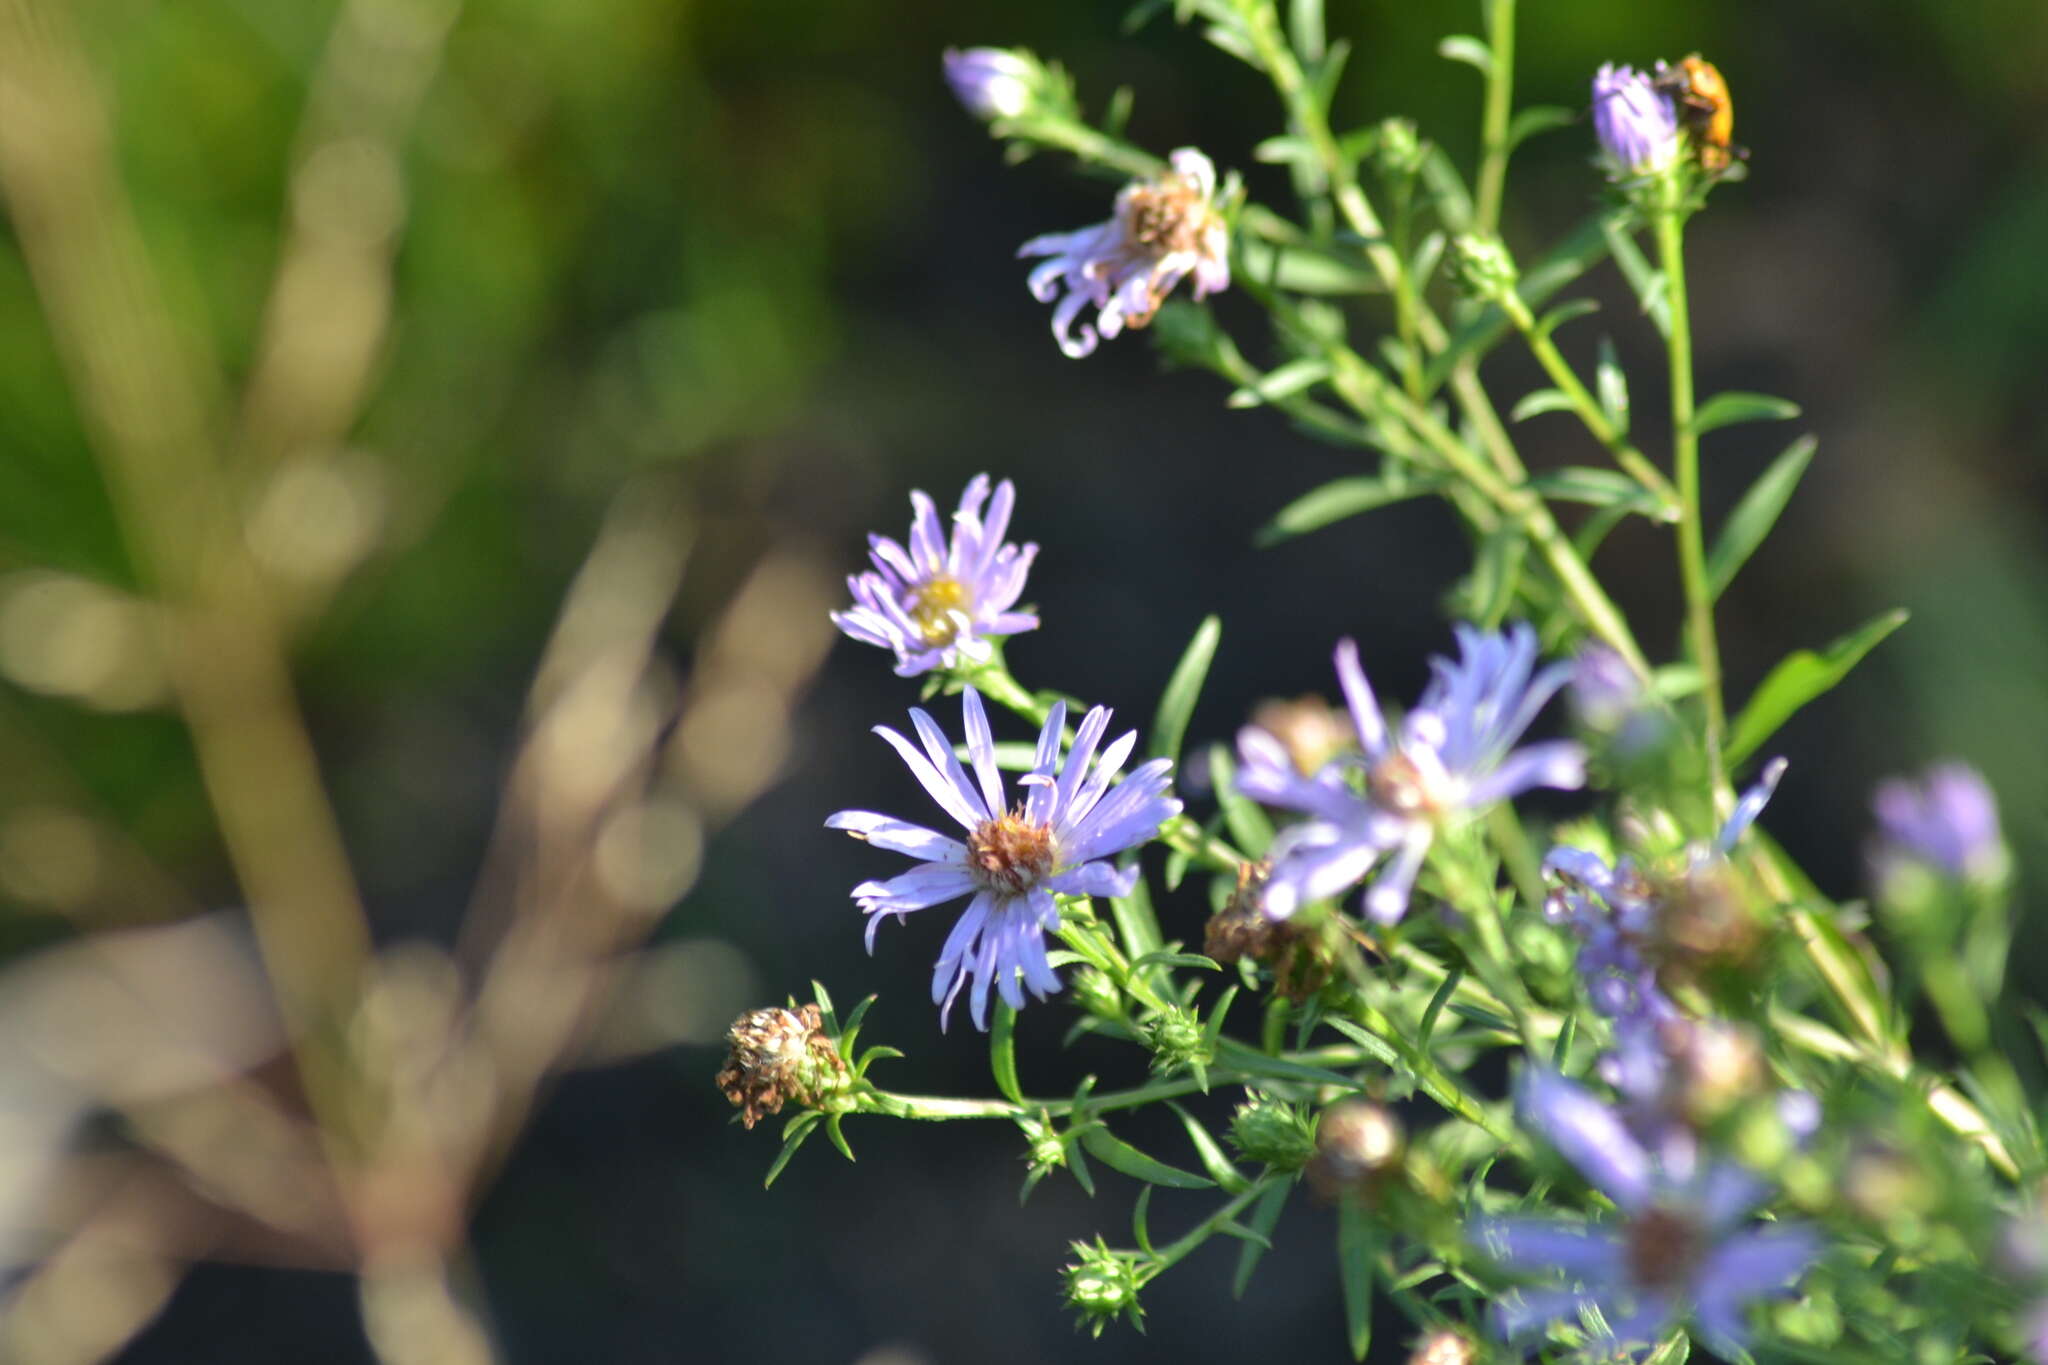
(754, 259)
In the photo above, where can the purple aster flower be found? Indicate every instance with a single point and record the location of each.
(992, 82)
(1947, 821)
(1454, 755)
(1074, 816)
(937, 604)
(1634, 120)
(1162, 231)
(1682, 1250)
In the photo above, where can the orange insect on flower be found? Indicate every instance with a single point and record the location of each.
(1700, 97)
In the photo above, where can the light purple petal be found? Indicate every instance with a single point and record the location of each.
(1577, 1251)
(1358, 697)
(1588, 1134)
(924, 885)
(1751, 805)
(898, 836)
(954, 802)
(1558, 764)
(939, 750)
(1094, 879)
(981, 747)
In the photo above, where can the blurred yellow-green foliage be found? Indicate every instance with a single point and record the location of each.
(751, 259)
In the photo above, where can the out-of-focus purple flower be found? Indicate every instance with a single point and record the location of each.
(993, 82)
(937, 603)
(1074, 816)
(1683, 1249)
(1454, 755)
(1162, 231)
(1947, 821)
(1636, 125)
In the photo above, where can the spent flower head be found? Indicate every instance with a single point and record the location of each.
(1454, 755)
(1162, 231)
(1635, 122)
(1075, 815)
(1682, 1250)
(775, 1056)
(939, 602)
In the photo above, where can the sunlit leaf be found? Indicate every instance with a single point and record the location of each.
(1758, 511)
(1800, 677)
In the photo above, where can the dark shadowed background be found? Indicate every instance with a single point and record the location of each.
(752, 259)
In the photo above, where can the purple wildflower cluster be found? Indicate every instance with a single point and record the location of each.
(1683, 1248)
(938, 603)
(1163, 230)
(1453, 755)
(1074, 817)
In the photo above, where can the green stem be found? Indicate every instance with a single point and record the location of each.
(1589, 411)
(1493, 128)
(1165, 1258)
(1364, 387)
(1685, 464)
(942, 1108)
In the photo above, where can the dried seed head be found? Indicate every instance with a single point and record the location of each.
(1444, 1348)
(1311, 730)
(778, 1055)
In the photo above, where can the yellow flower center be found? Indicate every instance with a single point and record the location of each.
(933, 608)
(1008, 855)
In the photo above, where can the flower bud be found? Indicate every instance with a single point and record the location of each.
(1635, 122)
(778, 1055)
(1400, 148)
(1178, 1042)
(1102, 1285)
(993, 82)
(1485, 269)
(1359, 1143)
(1946, 823)
(1279, 1134)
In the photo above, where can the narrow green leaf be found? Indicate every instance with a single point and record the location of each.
(1463, 47)
(1265, 1216)
(1289, 379)
(1162, 958)
(1137, 924)
(1113, 1152)
(1375, 1046)
(1301, 268)
(1357, 1248)
(1324, 75)
(1251, 829)
(1002, 1053)
(824, 999)
(1447, 189)
(1141, 1220)
(1565, 312)
(792, 1140)
(1436, 1006)
(1675, 1350)
(1800, 677)
(1538, 118)
(1596, 488)
(1726, 409)
(1340, 500)
(1645, 279)
(1211, 1152)
(1611, 385)
(1305, 22)
(1427, 257)
(1561, 1051)
(1183, 689)
(1758, 511)
(1537, 403)
(832, 1131)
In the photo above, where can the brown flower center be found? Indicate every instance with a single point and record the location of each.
(1165, 218)
(1009, 856)
(934, 606)
(1663, 1246)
